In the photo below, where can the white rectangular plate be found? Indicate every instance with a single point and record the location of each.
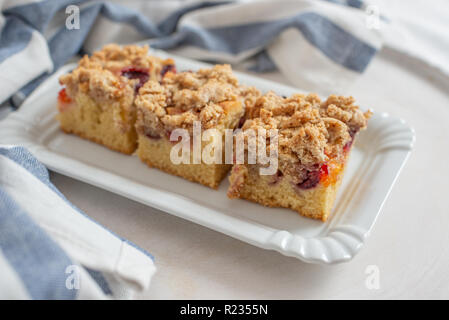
(377, 158)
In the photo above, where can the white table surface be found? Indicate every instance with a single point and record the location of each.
(409, 243)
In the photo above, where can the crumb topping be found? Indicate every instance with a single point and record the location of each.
(114, 57)
(212, 96)
(105, 75)
(310, 131)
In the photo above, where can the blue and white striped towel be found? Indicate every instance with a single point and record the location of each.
(50, 249)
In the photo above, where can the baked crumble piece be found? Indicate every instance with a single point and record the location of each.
(211, 97)
(97, 101)
(314, 142)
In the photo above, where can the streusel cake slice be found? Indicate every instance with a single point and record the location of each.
(97, 102)
(210, 98)
(314, 142)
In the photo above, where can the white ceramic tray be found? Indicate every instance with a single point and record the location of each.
(377, 158)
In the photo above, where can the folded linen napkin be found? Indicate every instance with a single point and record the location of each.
(49, 249)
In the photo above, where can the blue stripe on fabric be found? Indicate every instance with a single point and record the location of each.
(337, 44)
(263, 63)
(358, 4)
(140, 22)
(355, 4)
(36, 258)
(170, 23)
(100, 280)
(19, 97)
(14, 37)
(23, 157)
(118, 13)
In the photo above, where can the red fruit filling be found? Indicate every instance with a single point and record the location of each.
(141, 74)
(241, 122)
(311, 180)
(63, 97)
(64, 101)
(315, 176)
(324, 170)
(167, 68)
